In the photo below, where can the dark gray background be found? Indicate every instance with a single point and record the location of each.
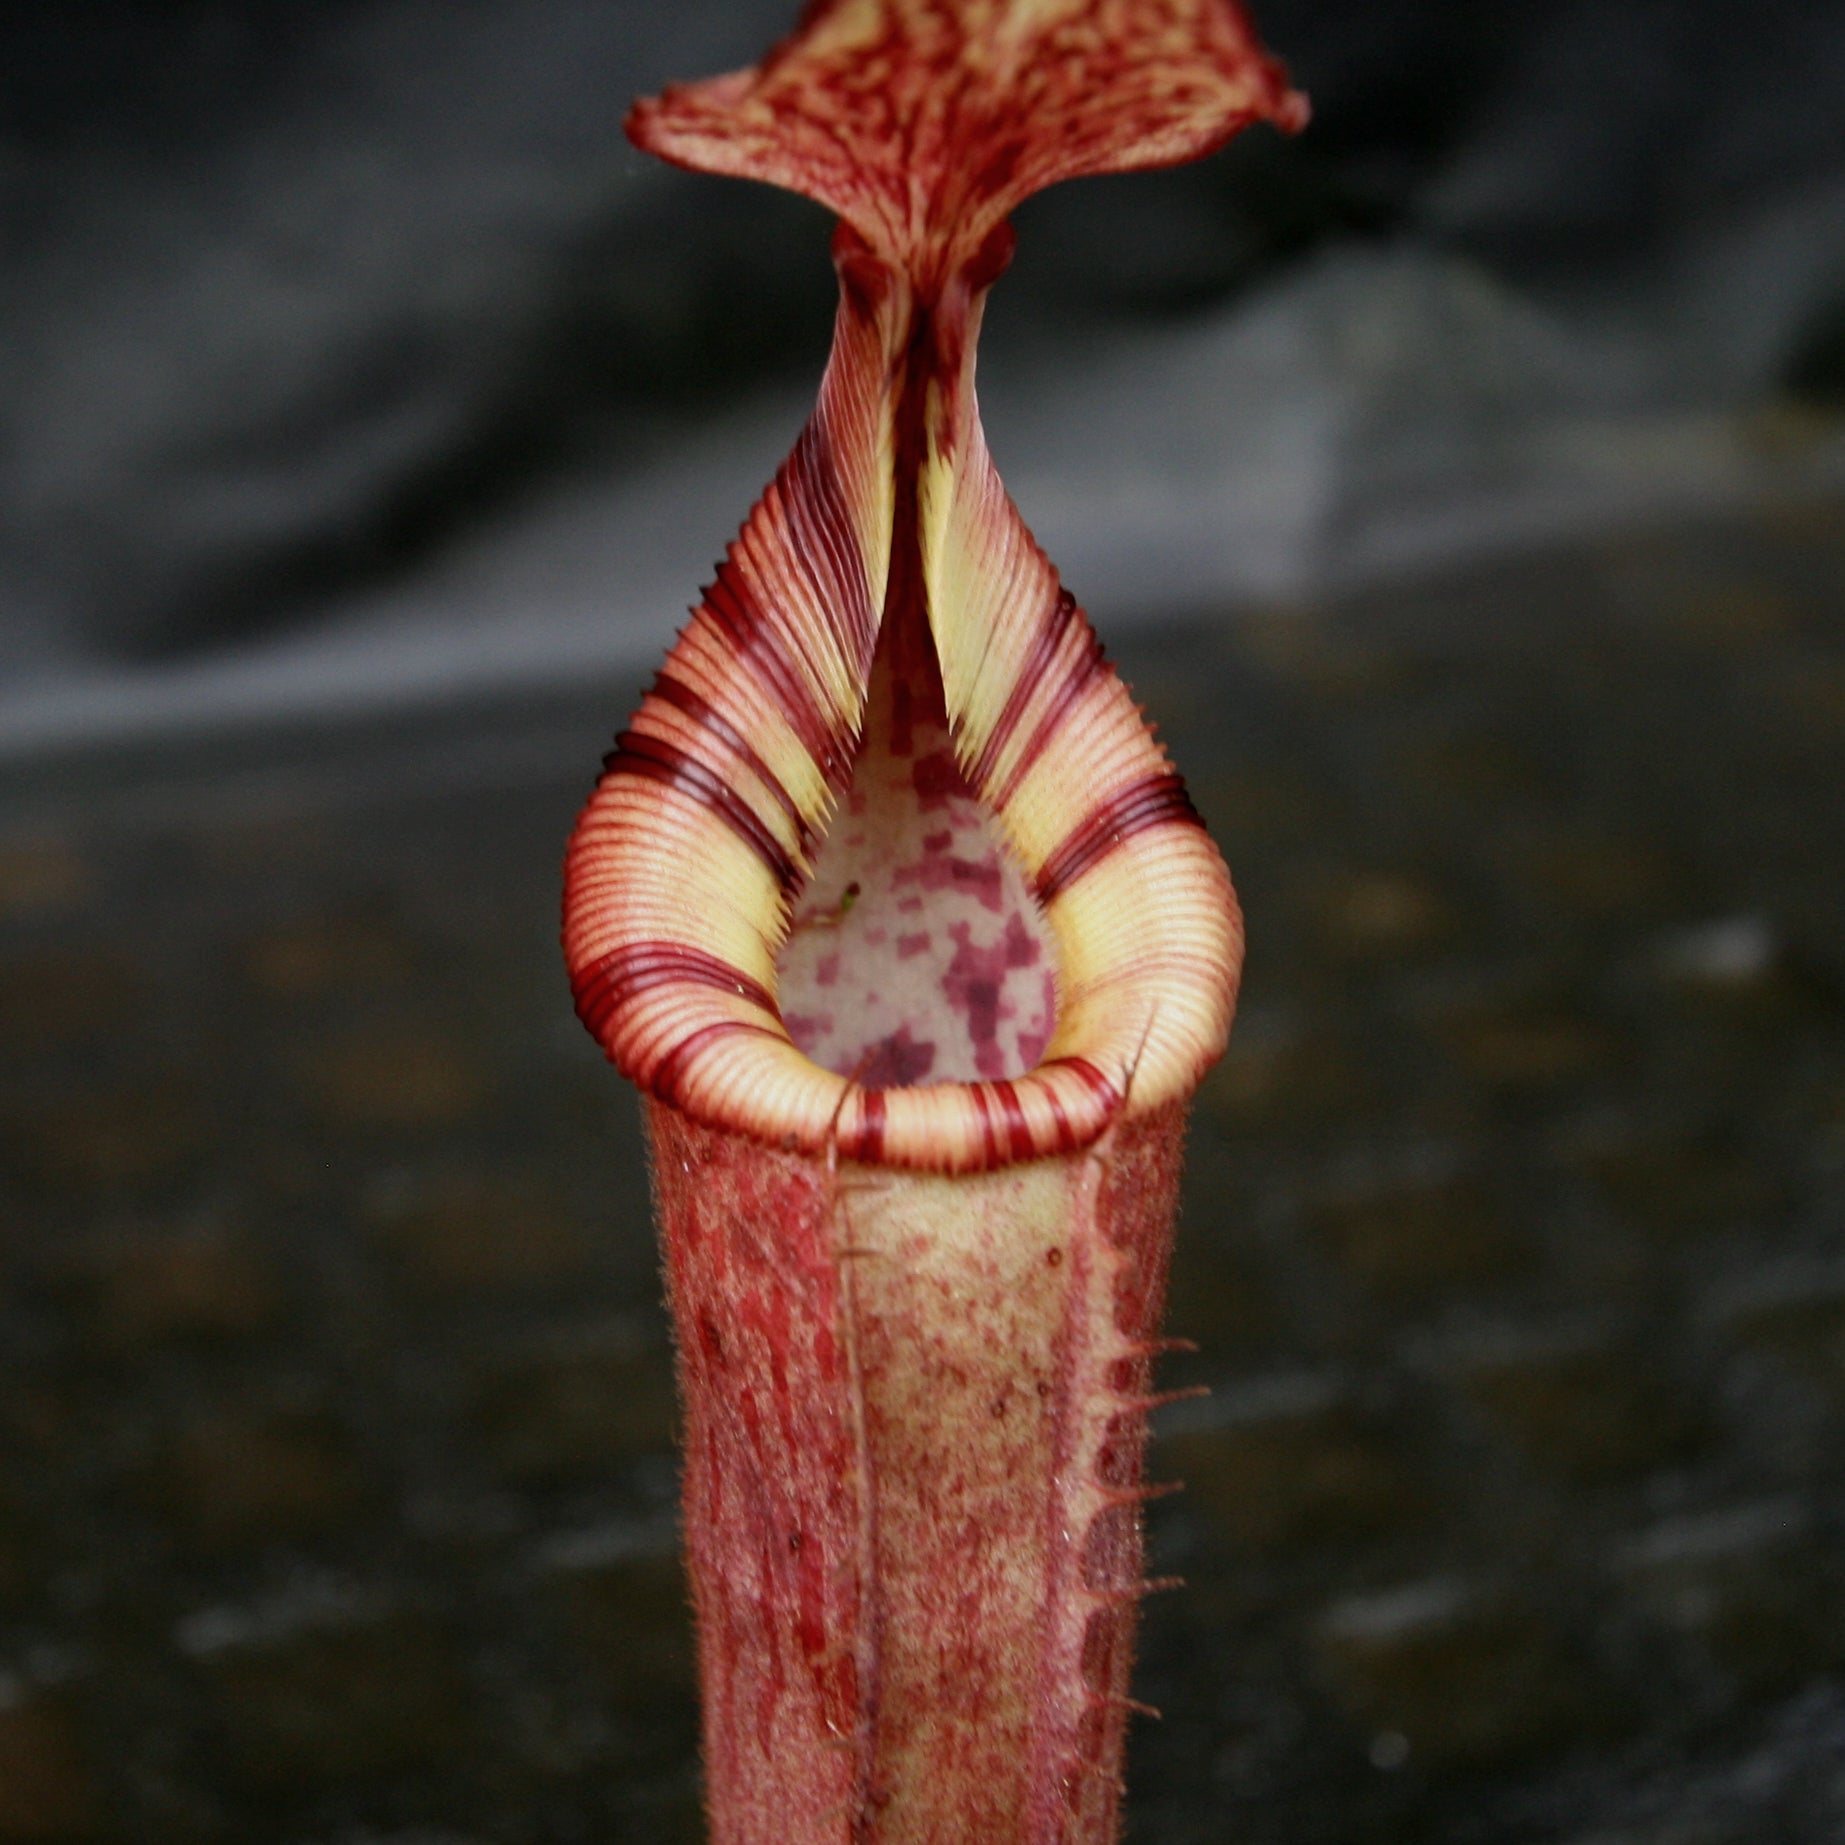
(347, 351)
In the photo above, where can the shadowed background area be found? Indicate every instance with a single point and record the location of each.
(1464, 484)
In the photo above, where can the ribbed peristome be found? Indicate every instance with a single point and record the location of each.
(923, 122)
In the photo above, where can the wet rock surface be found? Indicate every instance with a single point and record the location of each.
(336, 1471)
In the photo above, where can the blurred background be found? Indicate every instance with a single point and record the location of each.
(1463, 487)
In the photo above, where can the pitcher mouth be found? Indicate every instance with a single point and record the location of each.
(887, 541)
(696, 857)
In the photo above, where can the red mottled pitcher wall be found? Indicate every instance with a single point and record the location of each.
(915, 1412)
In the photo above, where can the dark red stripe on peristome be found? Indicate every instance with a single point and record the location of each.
(637, 753)
(1065, 1138)
(1098, 1084)
(701, 710)
(624, 973)
(757, 648)
(1037, 661)
(868, 1143)
(1088, 665)
(665, 1077)
(989, 1140)
(1149, 801)
(1018, 1129)
(818, 525)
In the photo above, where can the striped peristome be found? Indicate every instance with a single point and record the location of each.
(688, 861)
